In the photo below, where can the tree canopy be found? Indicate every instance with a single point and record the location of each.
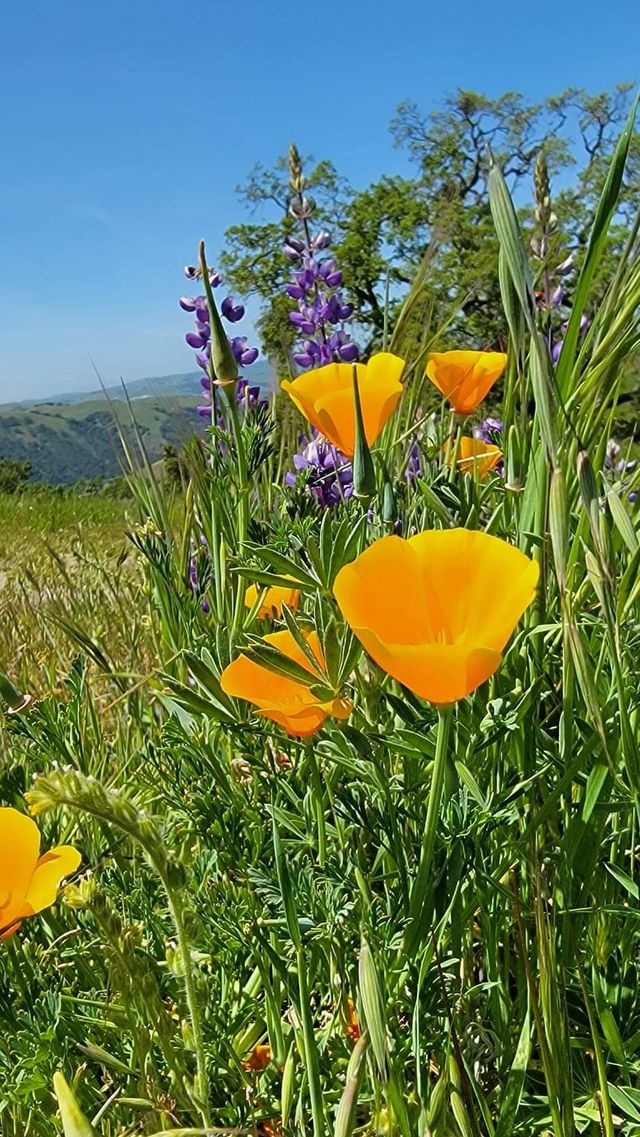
(438, 220)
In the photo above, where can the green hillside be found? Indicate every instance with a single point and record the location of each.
(64, 443)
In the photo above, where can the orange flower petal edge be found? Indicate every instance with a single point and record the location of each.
(436, 611)
(465, 377)
(325, 397)
(28, 882)
(285, 701)
(474, 457)
(273, 599)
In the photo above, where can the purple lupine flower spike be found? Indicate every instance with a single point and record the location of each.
(200, 338)
(325, 472)
(489, 430)
(194, 577)
(321, 310)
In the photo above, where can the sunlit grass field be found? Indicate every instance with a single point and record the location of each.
(378, 873)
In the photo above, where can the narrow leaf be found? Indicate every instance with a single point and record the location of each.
(74, 1122)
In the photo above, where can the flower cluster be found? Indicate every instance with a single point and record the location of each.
(323, 470)
(247, 397)
(614, 464)
(200, 338)
(490, 430)
(195, 577)
(552, 297)
(315, 285)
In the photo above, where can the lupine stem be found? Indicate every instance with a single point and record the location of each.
(243, 490)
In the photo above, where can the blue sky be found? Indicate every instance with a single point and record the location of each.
(126, 126)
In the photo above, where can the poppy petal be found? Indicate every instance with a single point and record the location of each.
(440, 673)
(436, 611)
(484, 584)
(285, 643)
(465, 377)
(247, 679)
(19, 849)
(49, 873)
(324, 396)
(301, 723)
(385, 590)
(272, 600)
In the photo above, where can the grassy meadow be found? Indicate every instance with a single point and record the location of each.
(377, 875)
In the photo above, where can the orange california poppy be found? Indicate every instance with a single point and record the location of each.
(273, 599)
(325, 397)
(289, 703)
(28, 882)
(465, 377)
(475, 457)
(259, 1058)
(436, 611)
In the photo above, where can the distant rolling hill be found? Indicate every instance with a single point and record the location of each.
(66, 442)
(75, 436)
(181, 384)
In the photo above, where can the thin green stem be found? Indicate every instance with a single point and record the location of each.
(453, 446)
(243, 491)
(311, 1059)
(606, 1111)
(419, 902)
(318, 804)
(175, 908)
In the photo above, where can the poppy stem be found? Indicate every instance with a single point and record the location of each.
(310, 1046)
(318, 804)
(420, 901)
(454, 446)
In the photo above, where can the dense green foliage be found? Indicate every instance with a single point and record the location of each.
(13, 474)
(241, 887)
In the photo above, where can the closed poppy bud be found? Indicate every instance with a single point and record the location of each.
(473, 456)
(436, 611)
(289, 702)
(259, 1058)
(388, 503)
(28, 882)
(222, 357)
(325, 397)
(352, 1025)
(465, 377)
(364, 475)
(273, 599)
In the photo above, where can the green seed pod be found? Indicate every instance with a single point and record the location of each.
(346, 1115)
(222, 357)
(388, 503)
(372, 1004)
(74, 1122)
(364, 475)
